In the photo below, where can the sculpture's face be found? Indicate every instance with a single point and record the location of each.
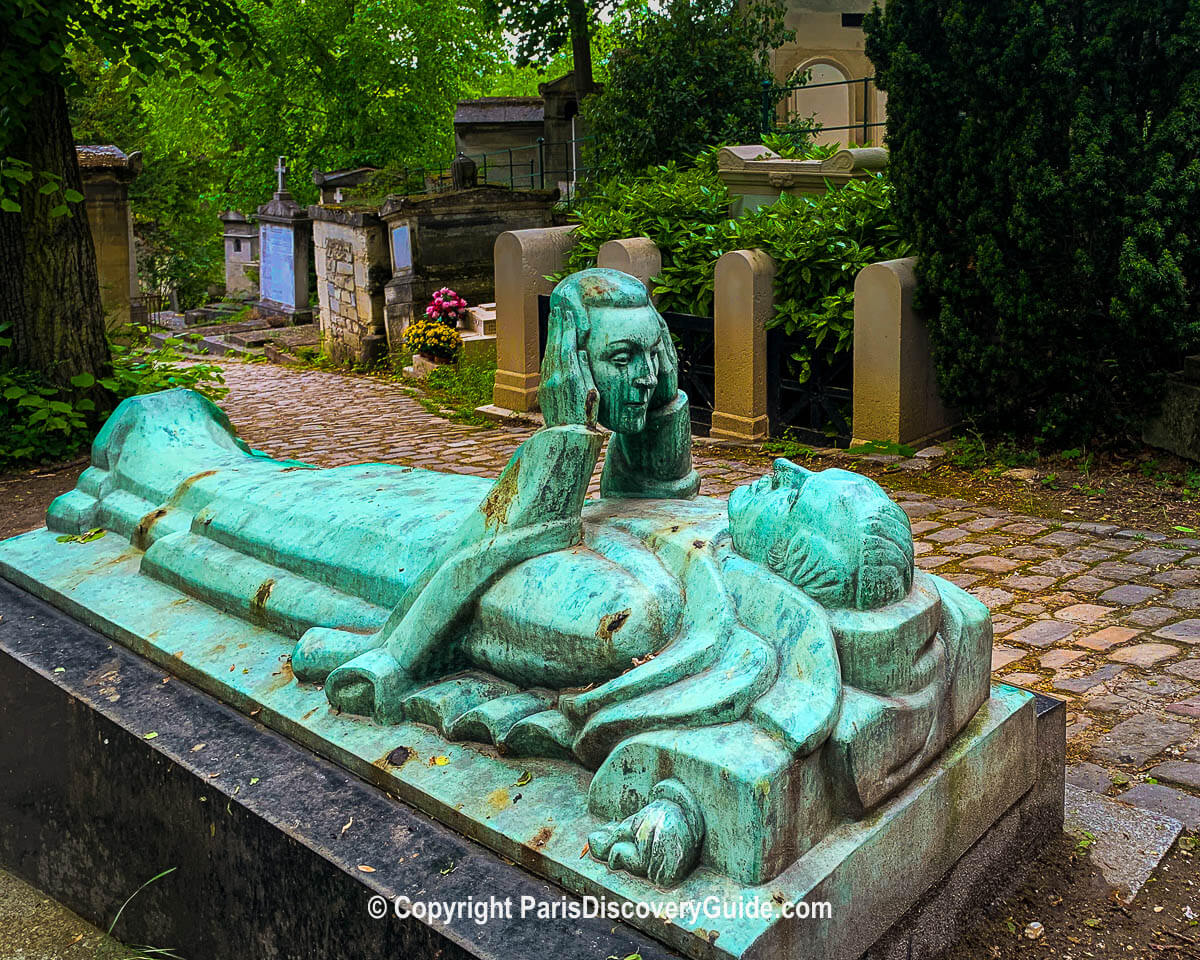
(766, 513)
(622, 349)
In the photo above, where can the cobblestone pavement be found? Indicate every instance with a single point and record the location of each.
(1106, 618)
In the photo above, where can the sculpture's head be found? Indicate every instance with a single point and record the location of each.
(619, 330)
(834, 534)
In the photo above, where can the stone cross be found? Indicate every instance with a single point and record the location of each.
(281, 169)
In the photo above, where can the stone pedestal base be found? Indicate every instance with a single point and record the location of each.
(292, 315)
(1177, 424)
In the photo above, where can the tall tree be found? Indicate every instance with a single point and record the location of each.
(49, 288)
(683, 78)
(544, 27)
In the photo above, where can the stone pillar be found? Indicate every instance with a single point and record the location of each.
(285, 232)
(241, 254)
(895, 384)
(523, 259)
(106, 173)
(352, 267)
(743, 302)
(637, 256)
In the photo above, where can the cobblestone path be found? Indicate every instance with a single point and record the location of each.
(1106, 618)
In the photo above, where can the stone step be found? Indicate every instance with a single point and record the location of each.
(478, 347)
(210, 346)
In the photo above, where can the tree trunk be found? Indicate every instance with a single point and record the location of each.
(49, 287)
(581, 49)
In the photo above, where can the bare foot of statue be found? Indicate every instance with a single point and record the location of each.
(660, 842)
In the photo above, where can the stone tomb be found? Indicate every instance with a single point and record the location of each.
(755, 175)
(106, 173)
(1176, 427)
(285, 235)
(760, 702)
(352, 263)
(446, 240)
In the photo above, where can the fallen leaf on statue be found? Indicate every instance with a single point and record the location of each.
(346, 826)
(365, 869)
(253, 781)
(199, 746)
(524, 778)
(584, 852)
(150, 736)
(87, 537)
(439, 761)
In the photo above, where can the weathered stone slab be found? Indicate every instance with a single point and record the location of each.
(1128, 843)
(1186, 773)
(1165, 800)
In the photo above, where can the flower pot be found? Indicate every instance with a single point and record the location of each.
(422, 364)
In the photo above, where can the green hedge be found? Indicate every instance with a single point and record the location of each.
(818, 243)
(1045, 156)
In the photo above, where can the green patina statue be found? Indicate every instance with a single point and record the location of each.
(738, 678)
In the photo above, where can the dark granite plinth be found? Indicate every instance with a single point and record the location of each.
(90, 809)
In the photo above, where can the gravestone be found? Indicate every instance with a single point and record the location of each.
(447, 240)
(1176, 426)
(285, 235)
(761, 702)
(106, 173)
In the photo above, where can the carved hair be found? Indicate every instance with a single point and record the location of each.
(880, 574)
(598, 287)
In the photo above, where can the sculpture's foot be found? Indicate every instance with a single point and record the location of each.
(373, 684)
(323, 649)
(660, 842)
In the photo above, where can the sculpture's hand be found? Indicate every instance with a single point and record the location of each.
(567, 393)
(668, 368)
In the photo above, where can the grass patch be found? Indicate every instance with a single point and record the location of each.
(460, 388)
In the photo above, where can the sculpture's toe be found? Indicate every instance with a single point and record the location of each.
(601, 841)
(323, 649)
(373, 684)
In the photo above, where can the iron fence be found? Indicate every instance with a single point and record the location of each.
(537, 166)
(770, 100)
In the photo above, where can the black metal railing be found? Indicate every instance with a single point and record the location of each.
(817, 409)
(537, 166)
(143, 310)
(770, 120)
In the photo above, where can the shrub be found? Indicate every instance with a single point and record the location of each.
(433, 338)
(41, 423)
(819, 244)
(681, 79)
(1045, 161)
